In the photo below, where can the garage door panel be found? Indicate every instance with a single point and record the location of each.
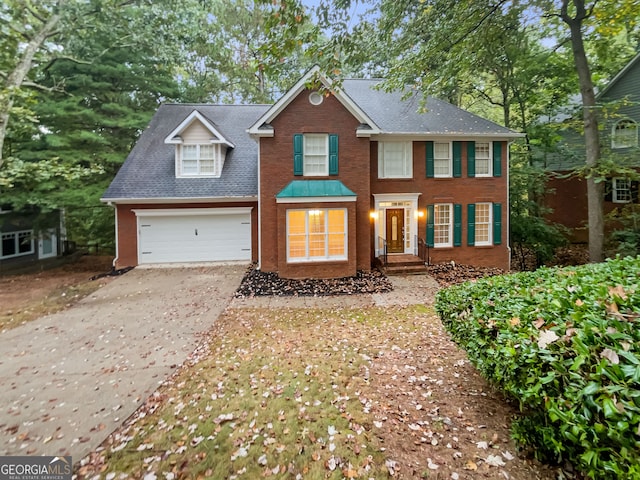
(195, 238)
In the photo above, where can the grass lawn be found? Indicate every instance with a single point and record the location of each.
(317, 394)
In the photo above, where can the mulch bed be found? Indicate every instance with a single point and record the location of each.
(257, 283)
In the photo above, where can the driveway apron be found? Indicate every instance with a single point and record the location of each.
(69, 379)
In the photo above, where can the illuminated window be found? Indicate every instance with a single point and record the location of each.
(316, 235)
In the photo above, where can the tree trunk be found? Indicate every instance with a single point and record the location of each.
(595, 190)
(20, 72)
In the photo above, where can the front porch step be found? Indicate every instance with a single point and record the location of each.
(404, 265)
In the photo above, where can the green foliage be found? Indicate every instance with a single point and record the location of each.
(564, 343)
(625, 237)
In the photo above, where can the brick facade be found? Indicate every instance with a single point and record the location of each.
(462, 190)
(276, 171)
(127, 227)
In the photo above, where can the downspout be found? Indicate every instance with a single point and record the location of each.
(508, 202)
(115, 208)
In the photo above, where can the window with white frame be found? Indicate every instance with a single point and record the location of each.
(442, 225)
(441, 159)
(201, 160)
(395, 160)
(625, 134)
(316, 235)
(316, 154)
(621, 190)
(483, 159)
(483, 224)
(15, 244)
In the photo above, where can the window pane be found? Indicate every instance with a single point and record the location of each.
(336, 245)
(625, 134)
(483, 223)
(441, 159)
(396, 161)
(482, 159)
(317, 233)
(316, 158)
(336, 221)
(8, 244)
(297, 236)
(25, 242)
(207, 161)
(190, 159)
(621, 190)
(442, 221)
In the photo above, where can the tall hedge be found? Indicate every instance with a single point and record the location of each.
(565, 343)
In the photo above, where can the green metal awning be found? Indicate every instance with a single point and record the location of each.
(315, 188)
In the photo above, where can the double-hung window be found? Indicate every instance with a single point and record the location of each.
(442, 225)
(316, 235)
(625, 134)
(621, 190)
(200, 160)
(483, 224)
(483, 159)
(395, 160)
(316, 155)
(442, 159)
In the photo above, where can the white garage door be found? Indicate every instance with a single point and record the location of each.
(194, 235)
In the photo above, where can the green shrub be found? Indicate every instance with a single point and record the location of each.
(565, 343)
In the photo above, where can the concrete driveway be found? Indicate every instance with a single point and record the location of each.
(69, 379)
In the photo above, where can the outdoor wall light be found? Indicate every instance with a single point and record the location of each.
(373, 215)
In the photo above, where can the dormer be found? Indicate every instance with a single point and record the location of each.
(200, 148)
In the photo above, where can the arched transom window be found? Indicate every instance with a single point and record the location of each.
(625, 134)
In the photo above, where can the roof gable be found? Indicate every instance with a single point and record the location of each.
(216, 137)
(620, 76)
(262, 127)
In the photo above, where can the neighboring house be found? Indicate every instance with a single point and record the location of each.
(319, 184)
(567, 195)
(28, 239)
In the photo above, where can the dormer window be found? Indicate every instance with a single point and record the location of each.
(200, 148)
(201, 159)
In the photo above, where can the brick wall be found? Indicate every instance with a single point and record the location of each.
(276, 171)
(127, 238)
(462, 190)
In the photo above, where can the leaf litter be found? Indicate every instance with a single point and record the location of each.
(320, 393)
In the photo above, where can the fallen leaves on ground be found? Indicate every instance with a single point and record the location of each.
(320, 393)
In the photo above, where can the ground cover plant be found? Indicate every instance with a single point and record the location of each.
(317, 393)
(565, 344)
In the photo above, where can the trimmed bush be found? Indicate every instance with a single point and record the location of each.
(564, 343)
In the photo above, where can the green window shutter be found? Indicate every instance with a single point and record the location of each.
(298, 154)
(471, 159)
(497, 159)
(471, 224)
(333, 154)
(497, 223)
(430, 160)
(457, 225)
(430, 228)
(457, 159)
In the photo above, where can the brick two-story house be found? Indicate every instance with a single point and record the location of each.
(319, 184)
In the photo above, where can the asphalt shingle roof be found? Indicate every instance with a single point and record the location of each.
(392, 114)
(149, 170)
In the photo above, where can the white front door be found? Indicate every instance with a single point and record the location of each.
(48, 244)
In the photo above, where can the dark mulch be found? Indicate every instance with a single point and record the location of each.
(447, 274)
(257, 283)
